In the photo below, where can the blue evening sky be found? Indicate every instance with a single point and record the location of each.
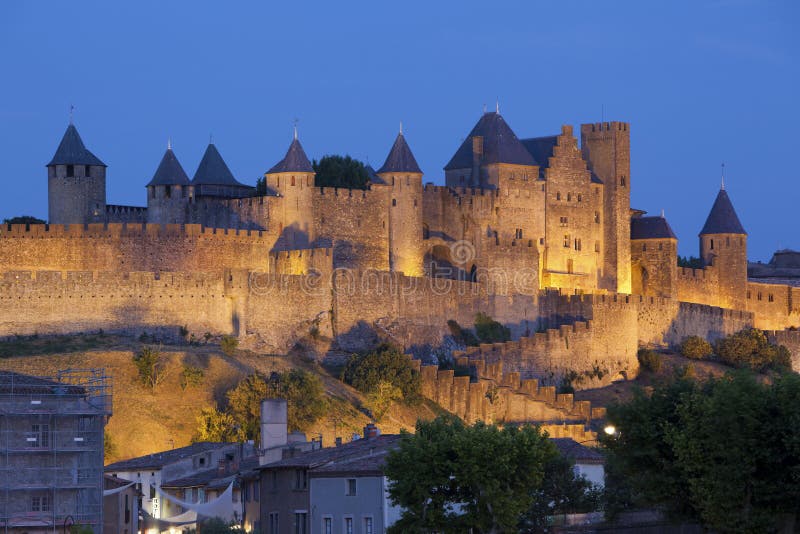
(701, 82)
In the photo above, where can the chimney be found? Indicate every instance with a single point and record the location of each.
(371, 431)
(273, 423)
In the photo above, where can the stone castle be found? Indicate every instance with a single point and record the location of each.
(537, 232)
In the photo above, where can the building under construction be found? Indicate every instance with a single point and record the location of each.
(51, 450)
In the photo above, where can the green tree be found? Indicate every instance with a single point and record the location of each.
(691, 262)
(229, 344)
(151, 366)
(214, 425)
(340, 171)
(696, 348)
(725, 452)
(649, 359)
(462, 335)
(191, 376)
(442, 479)
(387, 363)
(302, 390)
(23, 219)
(261, 186)
(109, 446)
(490, 331)
(381, 399)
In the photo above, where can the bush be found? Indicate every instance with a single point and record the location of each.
(462, 336)
(489, 330)
(387, 363)
(228, 344)
(696, 348)
(151, 367)
(751, 349)
(191, 376)
(649, 359)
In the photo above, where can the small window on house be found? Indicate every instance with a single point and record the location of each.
(40, 503)
(40, 435)
(300, 520)
(661, 246)
(351, 487)
(152, 492)
(300, 479)
(368, 525)
(70, 171)
(394, 202)
(563, 221)
(274, 480)
(327, 525)
(392, 180)
(408, 180)
(201, 461)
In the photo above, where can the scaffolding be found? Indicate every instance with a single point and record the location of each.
(51, 449)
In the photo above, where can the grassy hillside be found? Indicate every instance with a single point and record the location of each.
(146, 421)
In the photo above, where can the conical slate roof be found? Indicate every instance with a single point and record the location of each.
(651, 228)
(723, 218)
(294, 161)
(500, 145)
(213, 170)
(71, 151)
(400, 158)
(169, 171)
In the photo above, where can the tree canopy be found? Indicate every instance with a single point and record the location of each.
(725, 453)
(23, 219)
(450, 477)
(340, 171)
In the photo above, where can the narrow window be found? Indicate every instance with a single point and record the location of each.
(580, 197)
(597, 217)
(368, 525)
(292, 180)
(759, 295)
(727, 241)
(394, 202)
(541, 241)
(622, 181)
(351, 487)
(542, 187)
(748, 294)
(597, 246)
(327, 525)
(70, 171)
(712, 244)
(558, 195)
(566, 240)
(167, 191)
(569, 197)
(644, 247)
(300, 522)
(86, 172)
(770, 298)
(348, 525)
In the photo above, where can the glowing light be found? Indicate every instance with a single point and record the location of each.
(610, 430)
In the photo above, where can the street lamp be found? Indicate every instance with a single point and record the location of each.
(610, 430)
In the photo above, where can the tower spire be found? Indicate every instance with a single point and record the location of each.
(722, 184)
(71, 112)
(169, 143)
(401, 127)
(295, 128)
(497, 105)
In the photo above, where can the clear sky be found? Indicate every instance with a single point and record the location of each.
(700, 82)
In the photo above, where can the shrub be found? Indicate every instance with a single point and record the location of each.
(750, 348)
(387, 363)
(696, 348)
(228, 344)
(649, 359)
(151, 367)
(462, 336)
(191, 376)
(489, 330)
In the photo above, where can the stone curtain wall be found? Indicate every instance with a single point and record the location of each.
(775, 306)
(791, 340)
(131, 247)
(52, 302)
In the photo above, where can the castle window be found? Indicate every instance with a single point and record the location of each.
(661, 246)
(712, 244)
(86, 170)
(394, 202)
(542, 187)
(597, 246)
(580, 197)
(622, 181)
(578, 244)
(518, 233)
(597, 217)
(727, 241)
(415, 202)
(292, 180)
(408, 180)
(426, 231)
(541, 241)
(759, 295)
(70, 171)
(748, 294)
(167, 191)
(569, 197)
(770, 297)
(562, 221)
(644, 247)
(566, 240)
(558, 195)
(392, 180)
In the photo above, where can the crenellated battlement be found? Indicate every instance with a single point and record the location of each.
(123, 230)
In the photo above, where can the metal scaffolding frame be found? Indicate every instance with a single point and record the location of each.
(51, 449)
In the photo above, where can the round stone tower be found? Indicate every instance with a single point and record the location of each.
(723, 245)
(401, 172)
(292, 179)
(76, 183)
(168, 192)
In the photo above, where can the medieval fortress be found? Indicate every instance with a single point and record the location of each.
(537, 233)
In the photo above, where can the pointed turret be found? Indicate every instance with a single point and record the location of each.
(294, 161)
(722, 219)
(76, 182)
(72, 151)
(723, 245)
(213, 170)
(400, 158)
(170, 171)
